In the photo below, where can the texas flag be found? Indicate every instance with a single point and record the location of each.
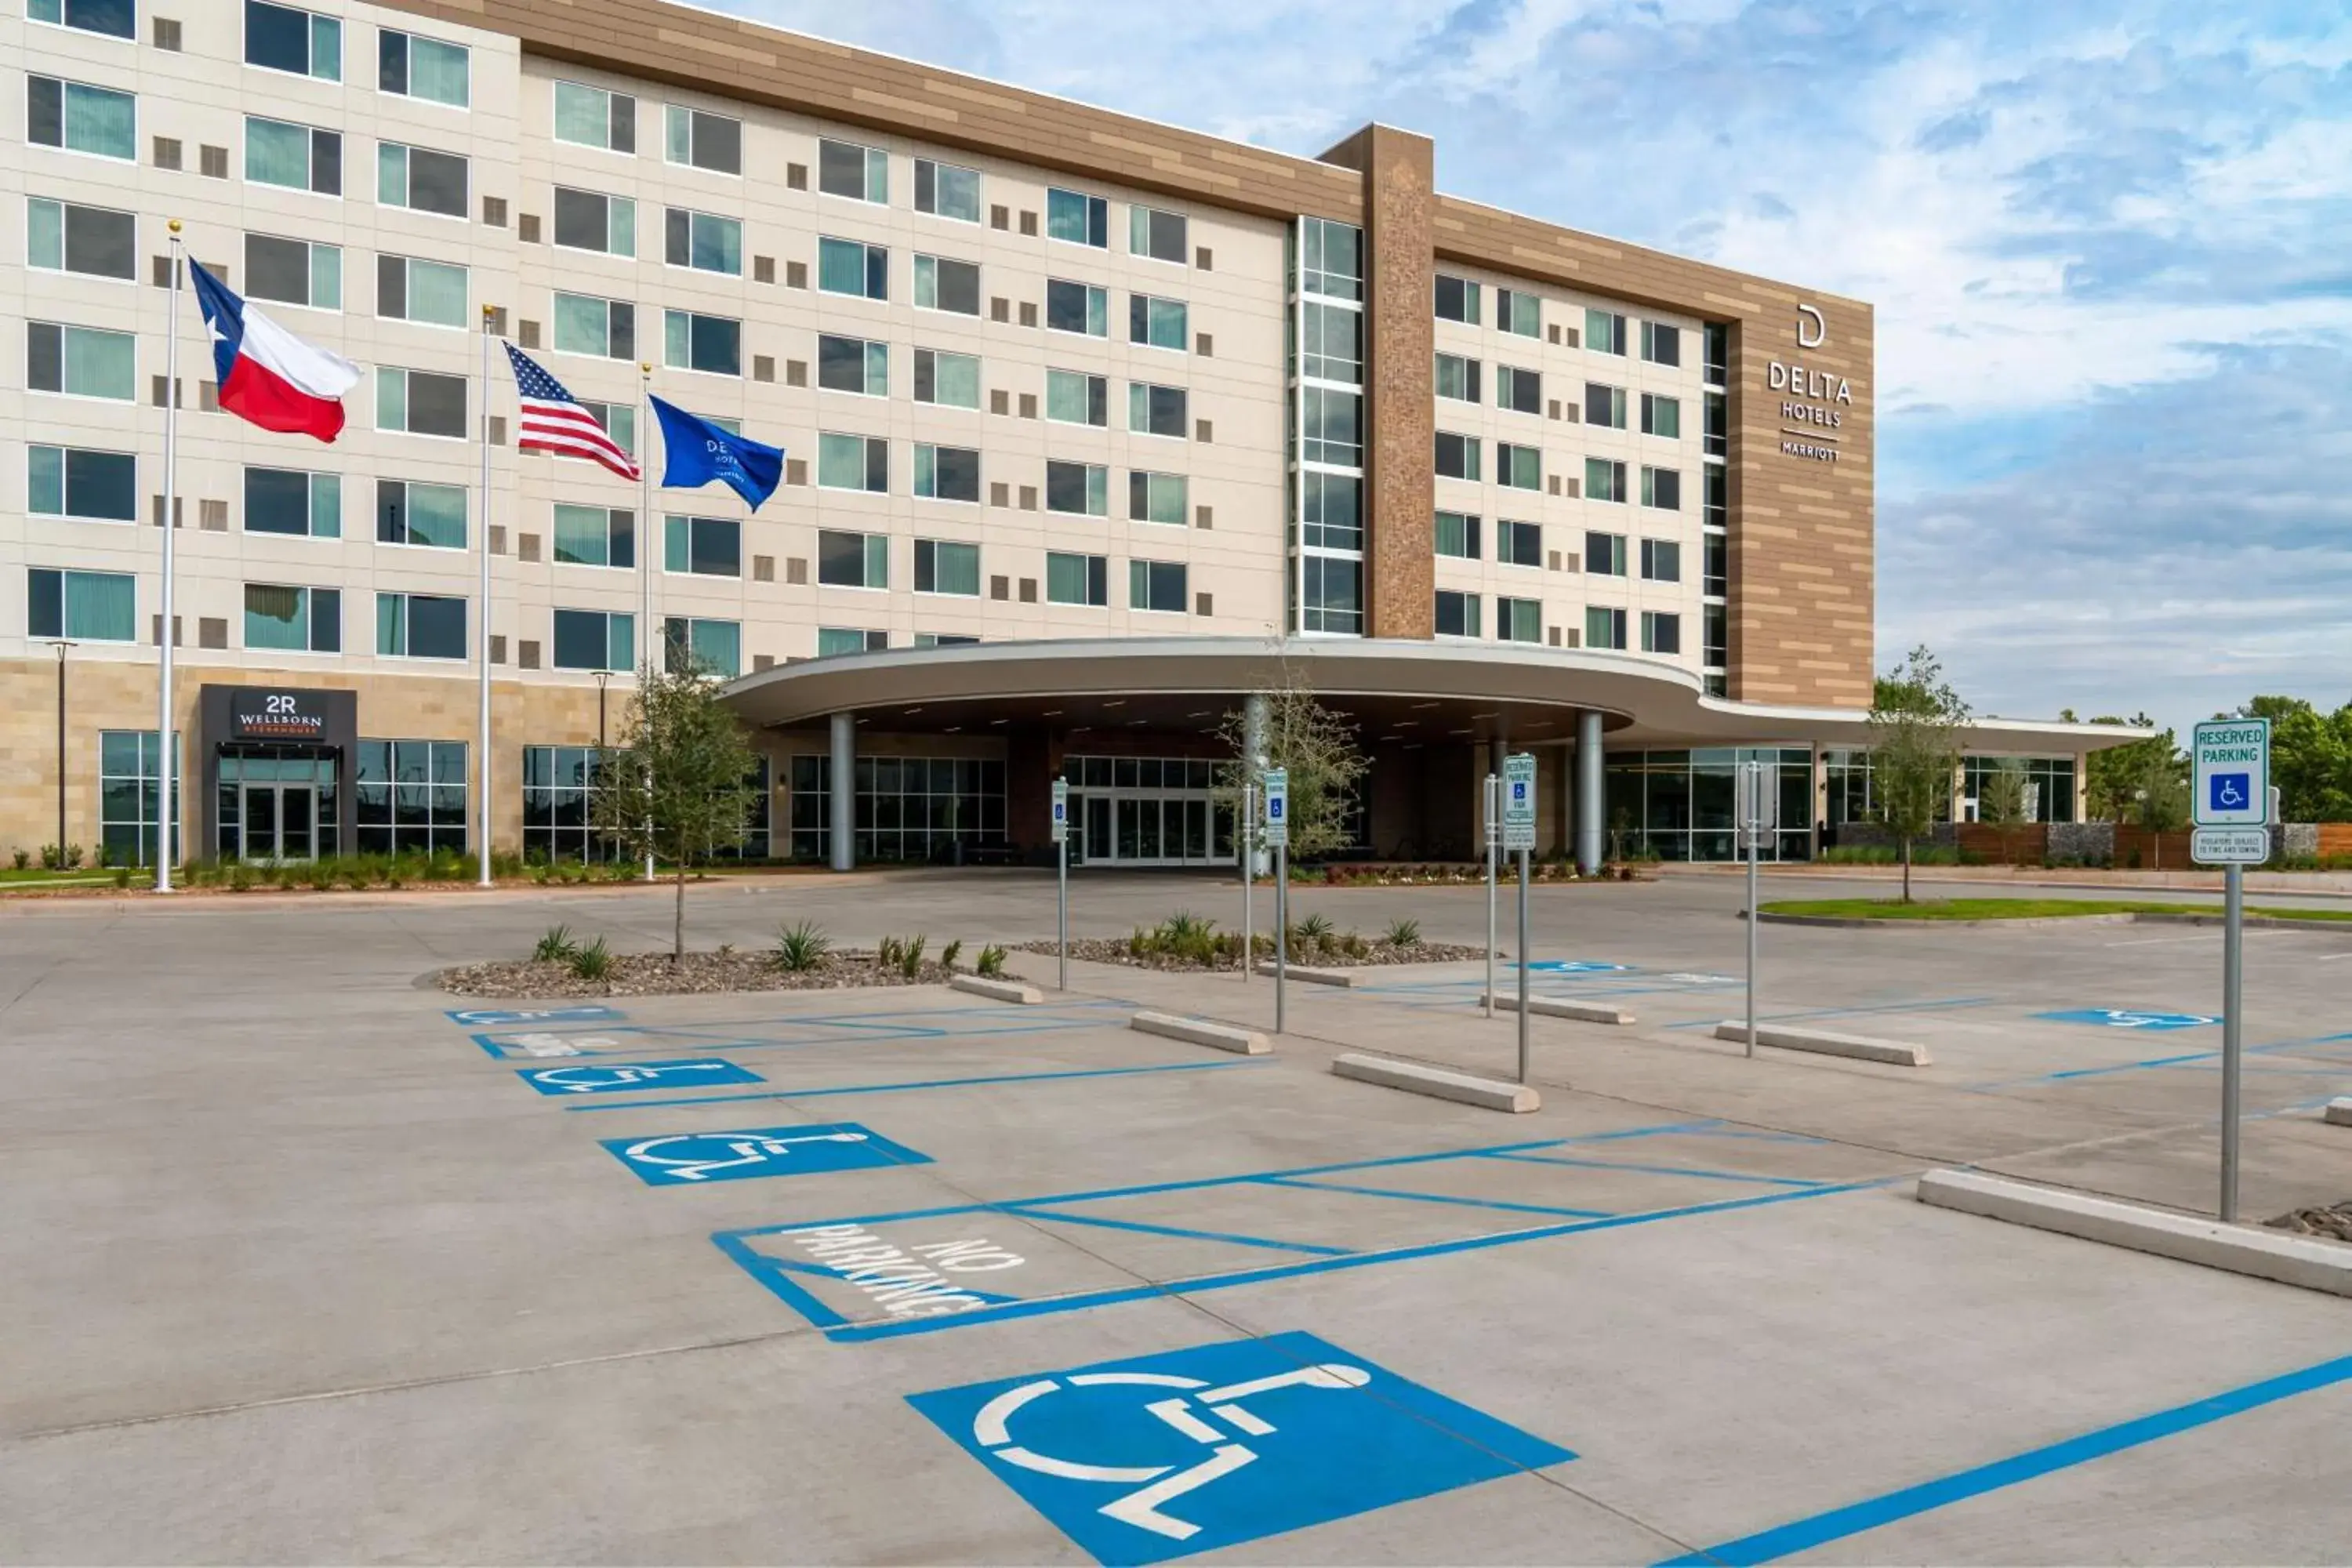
(267, 375)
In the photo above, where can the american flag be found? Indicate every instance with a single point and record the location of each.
(554, 421)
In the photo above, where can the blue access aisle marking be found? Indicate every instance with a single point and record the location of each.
(757, 1034)
(483, 1017)
(615, 1077)
(1191, 1450)
(2128, 1018)
(696, 1159)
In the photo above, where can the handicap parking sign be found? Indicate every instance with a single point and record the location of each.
(493, 1017)
(1163, 1456)
(2128, 1018)
(684, 1072)
(696, 1159)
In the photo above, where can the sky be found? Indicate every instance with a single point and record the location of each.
(2109, 245)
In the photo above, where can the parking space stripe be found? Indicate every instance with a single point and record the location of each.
(924, 1083)
(1032, 1210)
(1710, 1021)
(1436, 1198)
(1855, 1519)
(1658, 1170)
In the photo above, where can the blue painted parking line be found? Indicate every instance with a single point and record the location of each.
(1936, 1006)
(2149, 1064)
(926, 1083)
(1702, 1174)
(597, 1078)
(1162, 1456)
(656, 1037)
(482, 1017)
(1502, 1203)
(1856, 1519)
(1146, 1228)
(693, 1159)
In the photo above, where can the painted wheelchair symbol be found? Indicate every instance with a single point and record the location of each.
(1156, 1485)
(2229, 791)
(695, 1157)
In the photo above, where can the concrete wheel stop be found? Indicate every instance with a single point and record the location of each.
(997, 990)
(1823, 1042)
(1202, 1031)
(1557, 1007)
(1419, 1078)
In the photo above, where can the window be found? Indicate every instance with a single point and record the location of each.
(419, 403)
(1077, 579)
(1457, 378)
(80, 484)
(1518, 543)
(1716, 496)
(422, 68)
(1604, 405)
(620, 422)
(1457, 299)
(299, 157)
(1714, 565)
(1077, 307)
(702, 241)
(1518, 620)
(1073, 397)
(1516, 310)
(852, 559)
(941, 567)
(943, 639)
(586, 325)
(1661, 415)
(419, 179)
(293, 620)
(559, 793)
(1330, 259)
(703, 546)
(1077, 219)
(288, 501)
(1155, 234)
(87, 606)
(945, 191)
(281, 38)
(1662, 632)
(1331, 594)
(1457, 455)
(411, 795)
(1333, 342)
(846, 169)
(713, 344)
(1521, 468)
(1604, 628)
(1082, 490)
(302, 272)
(590, 116)
(944, 285)
(1521, 391)
(129, 780)
(852, 364)
(419, 626)
(1332, 508)
(80, 119)
(1715, 625)
(584, 220)
(711, 648)
(80, 362)
(595, 639)
(1604, 555)
(1458, 614)
(115, 17)
(947, 473)
(1661, 344)
(704, 140)
(1661, 488)
(1457, 535)
(848, 266)
(408, 512)
(594, 536)
(852, 463)
(1156, 586)
(1662, 561)
(834, 641)
(431, 292)
(1330, 427)
(1716, 351)
(1157, 322)
(1604, 332)
(1159, 410)
(62, 237)
(951, 381)
(1603, 480)
(1156, 498)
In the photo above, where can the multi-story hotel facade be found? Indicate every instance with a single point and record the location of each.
(1094, 428)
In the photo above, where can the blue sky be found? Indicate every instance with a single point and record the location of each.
(2110, 247)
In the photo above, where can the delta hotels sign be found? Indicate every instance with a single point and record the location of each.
(1814, 402)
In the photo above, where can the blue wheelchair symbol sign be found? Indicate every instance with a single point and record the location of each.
(493, 1017)
(584, 1079)
(1168, 1454)
(2128, 1018)
(2231, 792)
(696, 1159)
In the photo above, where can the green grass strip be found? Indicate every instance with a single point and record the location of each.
(2016, 910)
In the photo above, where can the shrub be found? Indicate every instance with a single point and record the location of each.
(557, 946)
(593, 962)
(1354, 944)
(948, 954)
(911, 956)
(801, 947)
(241, 879)
(1405, 933)
(1314, 930)
(1184, 926)
(991, 962)
(23, 859)
(887, 953)
(123, 875)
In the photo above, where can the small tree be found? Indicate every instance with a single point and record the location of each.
(2002, 801)
(2160, 789)
(680, 785)
(1317, 746)
(1915, 720)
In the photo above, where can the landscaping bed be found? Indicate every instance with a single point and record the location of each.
(655, 974)
(2335, 1224)
(1187, 941)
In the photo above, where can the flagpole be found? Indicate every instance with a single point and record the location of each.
(166, 756)
(482, 808)
(645, 541)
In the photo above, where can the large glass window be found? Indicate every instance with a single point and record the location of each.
(1330, 427)
(604, 329)
(84, 607)
(589, 220)
(594, 536)
(1331, 344)
(420, 403)
(283, 38)
(943, 566)
(304, 272)
(595, 639)
(944, 190)
(80, 362)
(420, 179)
(415, 66)
(908, 808)
(1457, 299)
(1457, 378)
(559, 794)
(410, 797)
(2049, 785)
(292, 619)
(1156, 498)
(1330, 259)
(85, 486)
(852, 559)
(852, 463)
(1077, 579)
(846, 169)
(1457, 535)
(712, 647)
(130, 787)
(1156, 586)
(1077, 219)
(60, 237)
(703, 241)
(944, 284)
(419, 626)
(1157, 323)
(287, 501)
(1331, 511)
(299, 157)
(703, 546)
(950, 380)
(1081, 488)
(853, 268)
(430, 292)
(410, 512)
(1073, 397)
(1458, 614)
(116, 18)
(590, 116)
(1160, 410)
(947, 473)
(704, 140)
(832, 642)
(1077, 307)
(79, 118)
(1679, 805)
(1518, 620)
(1331, 594)
(712, 344)
(852, 364)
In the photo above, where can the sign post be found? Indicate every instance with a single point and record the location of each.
(1494, 847)
(1245, 839)
(1758, 812)
(2230, 805)
(1519, 834)
(1062, 882)
(1278, 839)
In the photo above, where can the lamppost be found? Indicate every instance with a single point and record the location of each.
(603, 677)
(61, 646)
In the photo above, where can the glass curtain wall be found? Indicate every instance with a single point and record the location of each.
(129, 783)
(1147, 811)
(1679, 805)
(908, 808)
(1324, 401)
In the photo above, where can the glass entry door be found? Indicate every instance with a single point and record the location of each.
(277, 802)
(279, 822)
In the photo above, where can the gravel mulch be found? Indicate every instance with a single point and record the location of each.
(2335, 1224)
(653, 975)
(1114, 950)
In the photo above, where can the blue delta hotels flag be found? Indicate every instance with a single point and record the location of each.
(699, 452)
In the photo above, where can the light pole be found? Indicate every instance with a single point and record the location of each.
(603, 677)
(61, 646)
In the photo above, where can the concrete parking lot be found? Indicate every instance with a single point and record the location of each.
(302, 1261)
